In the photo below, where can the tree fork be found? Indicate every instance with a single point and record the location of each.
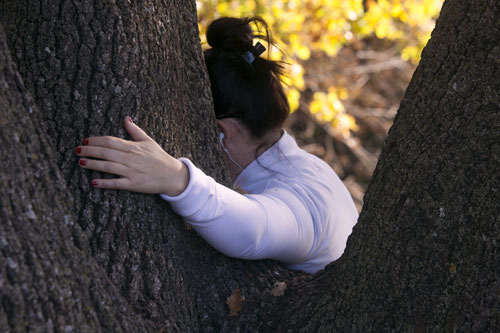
(424, 254)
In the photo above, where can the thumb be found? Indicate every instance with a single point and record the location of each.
(135, 131)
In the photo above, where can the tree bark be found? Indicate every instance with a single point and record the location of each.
(424, 254)
(47, 281)
(89, 64)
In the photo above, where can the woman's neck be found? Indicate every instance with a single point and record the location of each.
(247, 149)
(267, 142)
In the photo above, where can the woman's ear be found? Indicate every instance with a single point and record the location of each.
(226, 127)
(217, 122)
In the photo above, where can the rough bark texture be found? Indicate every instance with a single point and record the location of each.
(46, 282)
(90, 63)
(423, 256)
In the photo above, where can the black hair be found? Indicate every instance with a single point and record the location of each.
(249, 91)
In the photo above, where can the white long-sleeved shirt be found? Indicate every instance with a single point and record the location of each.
(297, 210)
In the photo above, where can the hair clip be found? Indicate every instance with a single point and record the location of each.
(257, 50)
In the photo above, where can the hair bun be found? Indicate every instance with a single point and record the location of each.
(231, 33)
(244, 85)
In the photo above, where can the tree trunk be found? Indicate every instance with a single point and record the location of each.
(87, 65)
(423, 256)
(47, 281)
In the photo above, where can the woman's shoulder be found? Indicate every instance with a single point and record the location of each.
(297, 162)
(286, 165)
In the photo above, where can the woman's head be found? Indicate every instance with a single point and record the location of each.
(244, 85)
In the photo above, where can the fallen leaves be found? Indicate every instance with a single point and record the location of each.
(236, 300)
(279, 289)
(235, 303)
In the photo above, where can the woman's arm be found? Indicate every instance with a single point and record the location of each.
(276, 225)
(272, 225)
(143, 166)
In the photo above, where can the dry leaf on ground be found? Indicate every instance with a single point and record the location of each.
(235, 303)
(187, 225)
(279, 289)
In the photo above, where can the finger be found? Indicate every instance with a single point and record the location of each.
(108, 142)
(112, 184)
(135, 131)
(101, 153)
(104, 166)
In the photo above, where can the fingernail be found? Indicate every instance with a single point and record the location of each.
(85, 142)
(94, 183)
(130, 120)
(78, 150)
(83, 162)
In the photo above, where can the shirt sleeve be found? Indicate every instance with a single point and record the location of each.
(273, 225)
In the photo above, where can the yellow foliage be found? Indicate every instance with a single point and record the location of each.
(326, 107)
(344, 123)
(307, 26)
(293, 96)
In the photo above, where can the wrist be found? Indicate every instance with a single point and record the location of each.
(180, 180)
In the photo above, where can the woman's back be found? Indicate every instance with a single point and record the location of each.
(286, 167)
(297, 210)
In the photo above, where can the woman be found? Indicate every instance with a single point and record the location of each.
(297, 210)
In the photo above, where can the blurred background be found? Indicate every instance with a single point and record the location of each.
(349, 63)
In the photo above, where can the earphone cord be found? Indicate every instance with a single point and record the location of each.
(236, 163)
(227, 152)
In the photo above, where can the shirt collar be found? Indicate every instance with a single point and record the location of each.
(267, 164)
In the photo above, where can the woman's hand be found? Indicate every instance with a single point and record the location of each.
(143, 166)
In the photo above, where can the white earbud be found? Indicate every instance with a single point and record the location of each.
(221, 137)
